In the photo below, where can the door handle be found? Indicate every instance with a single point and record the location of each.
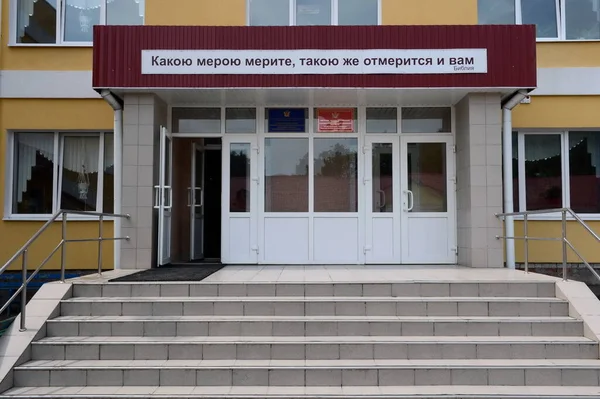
(410, 202)
(189, 197)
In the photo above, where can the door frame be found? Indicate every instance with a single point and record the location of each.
(163, 197)
(193, 202)
(368, 214)
(450, 194)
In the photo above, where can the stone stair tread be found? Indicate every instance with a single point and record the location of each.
(311, 364)
(278, 299)
(333, 318)
(310, 392)
(375, 339)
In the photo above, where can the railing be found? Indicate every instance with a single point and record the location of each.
(62, 246)
(563, 238)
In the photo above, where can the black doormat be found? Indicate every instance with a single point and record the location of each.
(196, 272)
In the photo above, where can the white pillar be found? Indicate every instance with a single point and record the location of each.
(509, 222)
(118, 180)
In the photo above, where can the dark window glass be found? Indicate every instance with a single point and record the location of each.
(543, 171)
(427, 177)
(79, 20)
(286, 175)
(313, 12)
(125, 12)
(196, 120)
(496, 12)
(33, 173)
(582, 19)
(515, 171)
(79, 184)
(541, 13)
(36, 21)
(357, 12)
(382, 120)
(584, 171)
(426, 120)
(239, 182)
(269, 12)
(108, 193)
(336, 175)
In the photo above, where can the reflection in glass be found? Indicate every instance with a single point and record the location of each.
(269, 13)
(239, 181)
(582, 19)
(240, 120)
(79, 185)
(125, 12)
(382, 120)
(108, 196)
(196, 120)
(584, 171)
(313, 12)
(286, 175)
(426, 120)
(383, 181)
(427, 176)
(36, 21)
(357, 12)
(79, 21)
(541, 13)
(33, 173)
(335, 163)
(543, 171)
(499, 12)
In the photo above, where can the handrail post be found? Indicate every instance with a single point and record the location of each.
(564, 244)
(63, 247)
(100, 223)
(526, 247)
(24, 290)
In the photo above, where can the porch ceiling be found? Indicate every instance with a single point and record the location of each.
(314, 96)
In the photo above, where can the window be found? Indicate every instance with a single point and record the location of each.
(427, 120)
(52, 171)
(313, 12)
(71, 21)
(336, 175)
(556, 169)
(240, 120)
(382, 120)
(286, 175)
(554, 19)
(196, 120)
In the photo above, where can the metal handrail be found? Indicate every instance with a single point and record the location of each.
(563, 239)
(23, 252)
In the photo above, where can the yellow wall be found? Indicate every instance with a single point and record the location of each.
(196, 12)
(568, 54)
(428, 12)
(551, 252)
(49, 115)
(558, 112)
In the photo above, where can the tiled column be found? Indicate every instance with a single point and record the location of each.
(479, 180)
(143, 115)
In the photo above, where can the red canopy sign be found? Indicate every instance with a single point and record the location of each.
(336, 120)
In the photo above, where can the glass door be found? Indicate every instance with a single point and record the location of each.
(428, 200)
(196, 204)
(240, 200)
(163, 197)
(382, 192)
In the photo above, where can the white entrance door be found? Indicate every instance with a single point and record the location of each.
(196, 203)
(428, 200)
(241, 185)
(163, 197)
(382, 183)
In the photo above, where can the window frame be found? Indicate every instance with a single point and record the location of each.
(60, 26)
(57, 174)
(565, 172)
(561, 23)
(334, 13)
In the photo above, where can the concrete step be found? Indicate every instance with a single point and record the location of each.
(312, 326)
(537, 372)
(401, 289)
(312, 348)
(314, 306)
(309, 392)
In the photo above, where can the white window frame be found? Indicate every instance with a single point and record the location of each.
(565, 173)
(57, 174)
(334, 12)
(60, 26)
(561, 23)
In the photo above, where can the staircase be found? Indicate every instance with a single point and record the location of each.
(303, 340)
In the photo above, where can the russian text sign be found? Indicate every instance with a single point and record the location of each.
(335, 120)
(313, 62)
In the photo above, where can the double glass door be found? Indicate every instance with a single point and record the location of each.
(410, 205)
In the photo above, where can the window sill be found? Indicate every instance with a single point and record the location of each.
(45, 218)
(52, 45)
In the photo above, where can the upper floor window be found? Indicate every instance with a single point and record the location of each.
(313, 12)
(71, 21)
(554, 19)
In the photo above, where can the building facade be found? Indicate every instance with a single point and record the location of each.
(300, 131)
